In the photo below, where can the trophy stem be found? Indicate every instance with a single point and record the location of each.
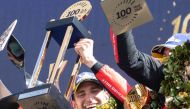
(40, 60)
(50, 70)
(72, 80)
(62, 52)
(61, 69)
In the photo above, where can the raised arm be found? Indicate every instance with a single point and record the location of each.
(111, 79)
(140, 66)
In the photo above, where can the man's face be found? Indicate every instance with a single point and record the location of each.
(89, 95)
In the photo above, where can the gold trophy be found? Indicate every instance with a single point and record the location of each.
(66, 31)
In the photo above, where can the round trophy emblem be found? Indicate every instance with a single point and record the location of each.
(80, 10)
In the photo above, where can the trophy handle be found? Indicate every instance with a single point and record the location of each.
(72, 80)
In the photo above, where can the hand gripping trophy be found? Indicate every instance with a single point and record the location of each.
(66, 31)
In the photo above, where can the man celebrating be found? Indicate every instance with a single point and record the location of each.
(110, 79)
(116, 85)
(90, 94)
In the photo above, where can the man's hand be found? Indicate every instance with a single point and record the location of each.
(84, 48)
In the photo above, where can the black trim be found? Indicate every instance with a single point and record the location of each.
(96, 67)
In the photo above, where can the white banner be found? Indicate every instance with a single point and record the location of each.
(123, 15)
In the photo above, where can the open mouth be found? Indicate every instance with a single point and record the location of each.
(91, 106)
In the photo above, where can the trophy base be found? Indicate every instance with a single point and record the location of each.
(45, 96)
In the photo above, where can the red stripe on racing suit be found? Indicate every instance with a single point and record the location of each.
(114, 43)
(114, 82)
